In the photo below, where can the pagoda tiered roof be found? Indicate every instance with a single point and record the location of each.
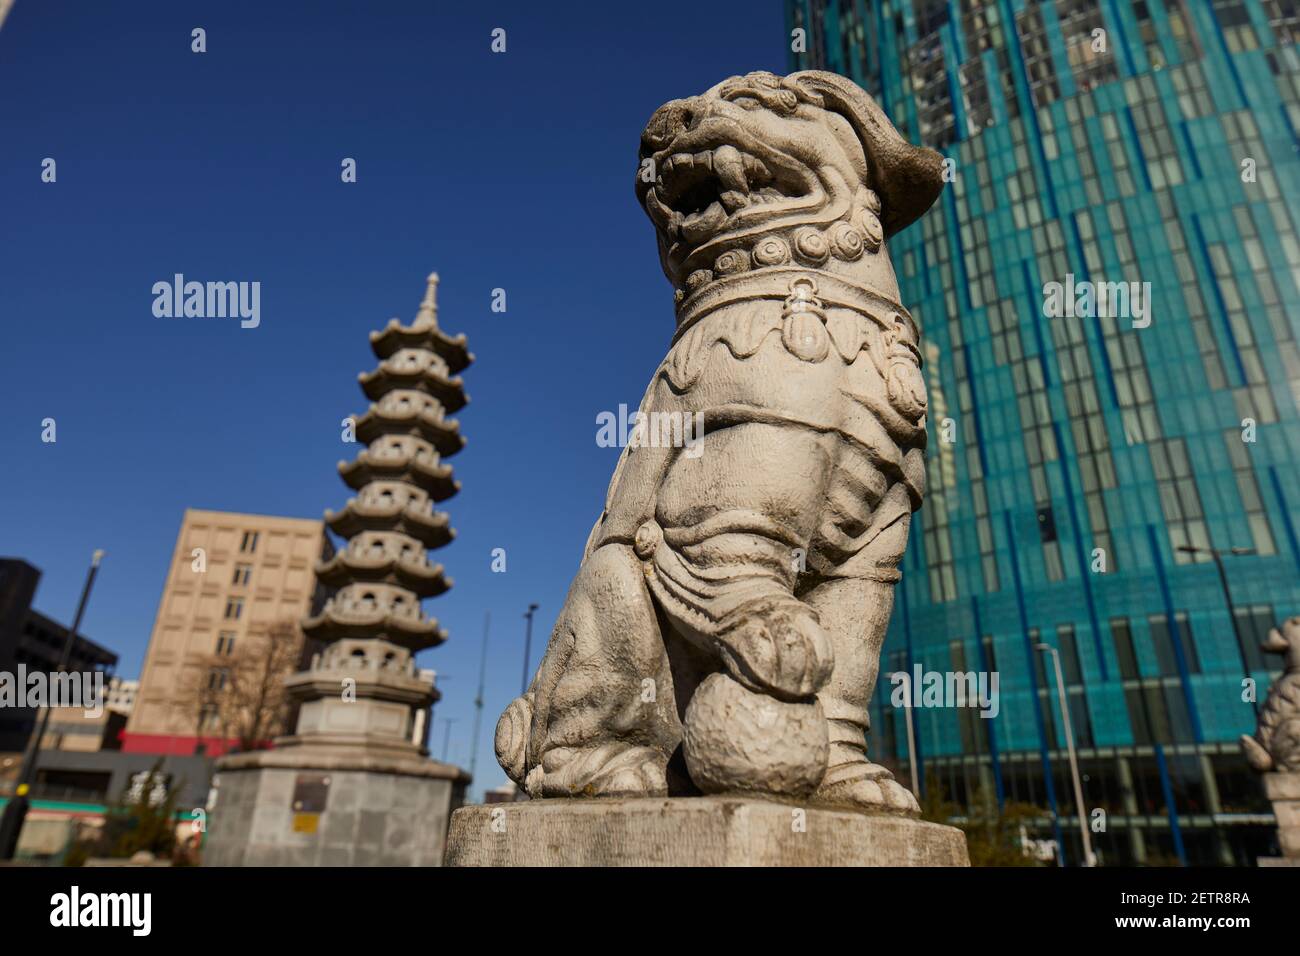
(435, 478)
(423, 333)
(450, 392)
(425, 580)
(431, 528)
(336, 622)
(442, 433)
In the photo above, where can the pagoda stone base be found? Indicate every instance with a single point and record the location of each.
(295, 808)
(693, 831)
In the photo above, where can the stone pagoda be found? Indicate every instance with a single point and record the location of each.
(353, 784)
(373, 626)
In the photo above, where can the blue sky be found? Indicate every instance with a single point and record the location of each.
(505, 171)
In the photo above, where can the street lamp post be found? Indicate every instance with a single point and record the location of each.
(528, 644)
(15, 812)
(446, 736)
(438, 682)
(1217, 555)
(1088, 858)
(478, 698)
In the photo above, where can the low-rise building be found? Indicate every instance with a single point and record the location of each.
(237, 583)
(35, 641)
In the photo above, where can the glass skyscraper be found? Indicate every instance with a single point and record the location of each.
(1091, 467)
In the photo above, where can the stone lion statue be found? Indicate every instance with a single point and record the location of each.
(723, 631)
(1276, 744)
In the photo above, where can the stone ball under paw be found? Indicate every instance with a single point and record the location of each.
(511, 741)
(736, 740)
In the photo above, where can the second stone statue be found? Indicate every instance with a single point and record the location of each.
(723, 633)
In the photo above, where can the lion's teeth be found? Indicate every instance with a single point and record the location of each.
(755, 170)
(660, 213)
(734, 200)
(730, 168)
(700, 226)
(704, 159)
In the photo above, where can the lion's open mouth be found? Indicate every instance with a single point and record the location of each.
(697, 195)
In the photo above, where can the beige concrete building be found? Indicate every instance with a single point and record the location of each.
(232, 577)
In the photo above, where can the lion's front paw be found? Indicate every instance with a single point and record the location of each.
(866, 786)
(612, 769)
(780, 649)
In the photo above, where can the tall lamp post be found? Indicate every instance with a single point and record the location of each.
(15, 812)
(1088, 858)
(1217, 556)
(528, 644)
(478, 698)
(446, 735)
(438, 680)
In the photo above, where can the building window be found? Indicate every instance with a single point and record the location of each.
(1137, 716)
(1037, 54)
(1234, 19)
(1253, 624)
(1046, 524)
(1178, 498)
(249, 543)
(1189, 48)
(208, 718)
(1070, 665)
(941, 485)
(1122, 635)
(1284, 19)
(217, 678)
(1256, 515)
(888, 733)
(966, 707)
(1157, 714)
(1163, 643)
(990, 653)
(929, 76)
(234, 608)
(243, 573)
(1051, 546)
(1080, 721)
(1078, 19)
(1046, 690)
(226, 643)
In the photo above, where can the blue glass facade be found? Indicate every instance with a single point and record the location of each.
(1073, 458)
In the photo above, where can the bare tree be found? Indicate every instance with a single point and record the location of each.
(240, 694)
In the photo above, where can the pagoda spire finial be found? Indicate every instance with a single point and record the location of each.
(429, 307)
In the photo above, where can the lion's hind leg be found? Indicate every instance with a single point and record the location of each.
(603, 721)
